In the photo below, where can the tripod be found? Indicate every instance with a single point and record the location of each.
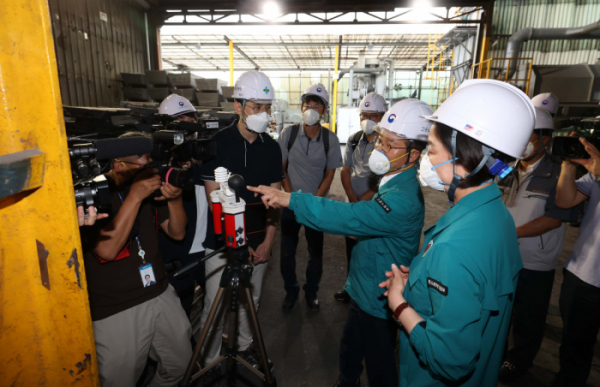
(236, 276)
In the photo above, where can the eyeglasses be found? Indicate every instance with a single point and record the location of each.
(259, 109)
(386, 146)
(370, 116)
(314, 106)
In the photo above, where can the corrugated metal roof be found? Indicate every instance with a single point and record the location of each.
(306, 57)
(510, 16)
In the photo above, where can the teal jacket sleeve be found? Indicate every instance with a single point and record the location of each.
(450, 341)
(365, 218)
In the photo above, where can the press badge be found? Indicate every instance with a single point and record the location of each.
(147, 275)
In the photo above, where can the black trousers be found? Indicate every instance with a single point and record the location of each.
(580, 311)
(350, 243)
(532, 299)
(373, 339)
(289, 242)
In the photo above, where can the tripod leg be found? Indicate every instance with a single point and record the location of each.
(259, 339)
(203, 334)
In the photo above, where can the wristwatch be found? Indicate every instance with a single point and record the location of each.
(399, 309)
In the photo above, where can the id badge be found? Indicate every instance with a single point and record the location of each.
(147, 275)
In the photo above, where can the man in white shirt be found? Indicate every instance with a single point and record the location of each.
(580, 293)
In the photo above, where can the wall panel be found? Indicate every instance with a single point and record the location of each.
(93, 50)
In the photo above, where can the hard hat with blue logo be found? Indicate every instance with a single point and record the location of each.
(254, 86)
(176, 105)
(372, 103)
(405, 120)
(546, 101)
(318, 90)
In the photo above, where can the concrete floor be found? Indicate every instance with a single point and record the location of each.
(304, 345)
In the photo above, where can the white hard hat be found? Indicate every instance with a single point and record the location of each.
(254, 86)
(492, 112)
(546, 101)
(176, 105)
(373, 102)
(543, 119)
(317, 90)
(406, 119)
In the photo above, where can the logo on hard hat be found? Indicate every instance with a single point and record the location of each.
(479, 133)
(545, 102)
(180, 103)
(391, 118)
(367, 104)
(469, 128)
(266, 90)
(319, 90)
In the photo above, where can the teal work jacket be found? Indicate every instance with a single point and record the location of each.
(388, 229)
(462, 283)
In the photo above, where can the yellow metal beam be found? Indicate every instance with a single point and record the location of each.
(335, 85)
(230, 63)
(45, 327)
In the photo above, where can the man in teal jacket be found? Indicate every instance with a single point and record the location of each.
(388, 230)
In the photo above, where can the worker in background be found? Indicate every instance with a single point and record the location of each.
(177, 254)
(388, 230)
(546, 101)
(580, 293)
(360, 183)
(529, 193)
(310, 155)
(132, 321)
(454, 303)
(245, 149)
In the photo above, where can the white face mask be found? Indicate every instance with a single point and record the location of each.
(367, 126)
(428, 176)
(258, 122)
(311, 117)
(380, 163)
(529, 150)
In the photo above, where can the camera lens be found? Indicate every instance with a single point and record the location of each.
(572, 149)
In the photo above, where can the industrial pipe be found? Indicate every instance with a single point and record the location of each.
(360, 71)
(513, 47)
(351, 87)
(390, 61)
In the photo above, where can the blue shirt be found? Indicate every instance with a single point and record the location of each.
(462, 284)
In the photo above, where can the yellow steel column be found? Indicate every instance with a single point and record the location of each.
(335, 85)
(230, 63)
(46, 336)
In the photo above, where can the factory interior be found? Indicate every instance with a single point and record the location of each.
(79, 71)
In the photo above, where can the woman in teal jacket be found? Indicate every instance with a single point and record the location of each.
(388, 229)
(455, 301)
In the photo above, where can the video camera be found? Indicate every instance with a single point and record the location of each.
(570, 147)
(180, 142)
(91, 187)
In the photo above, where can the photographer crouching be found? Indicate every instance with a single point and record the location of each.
(131, 319)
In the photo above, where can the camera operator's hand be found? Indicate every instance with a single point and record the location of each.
(593, 163)
(145, 183)
(169, 192)
(93, 216)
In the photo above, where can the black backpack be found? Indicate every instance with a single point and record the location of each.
(294, 134)
(356, 137)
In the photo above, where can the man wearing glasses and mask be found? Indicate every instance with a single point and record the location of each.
(311, 154)
(245, 149)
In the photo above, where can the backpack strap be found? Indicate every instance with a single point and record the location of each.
(293, 135)
(356, 139)
(295, 129)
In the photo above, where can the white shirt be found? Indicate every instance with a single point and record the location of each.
(584, 262)
(202, 209)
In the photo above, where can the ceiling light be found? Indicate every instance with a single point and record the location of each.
(198, 46)
(271, 10)
(370, 47)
